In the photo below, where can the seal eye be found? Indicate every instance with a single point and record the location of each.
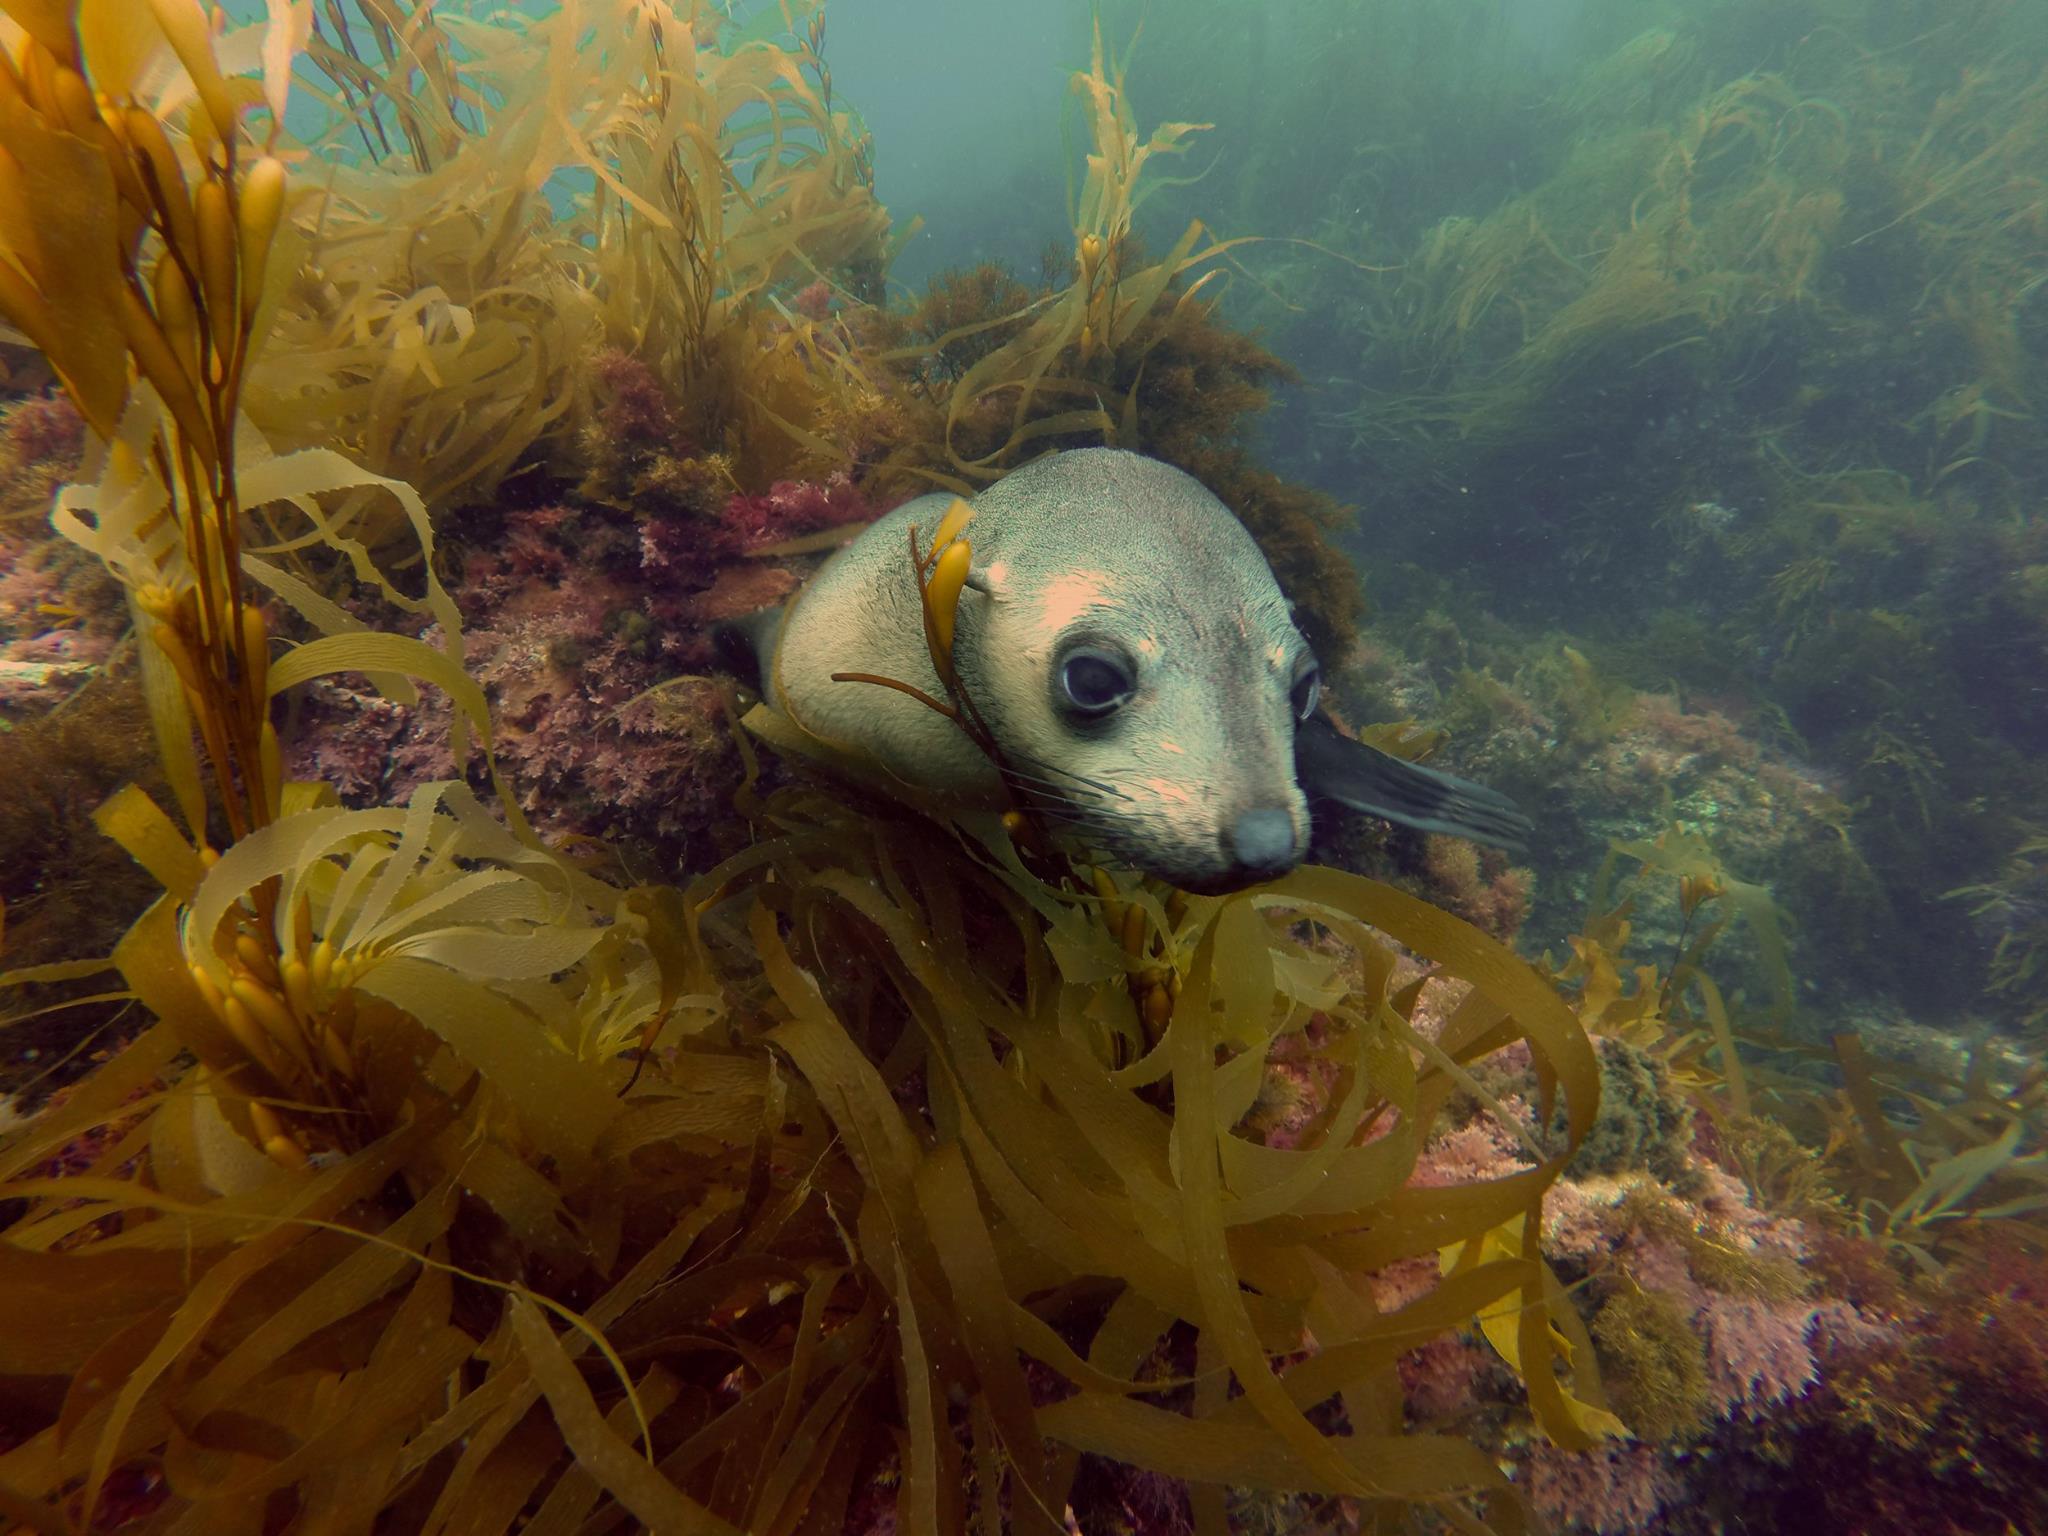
(1308, 691)
(1095, 683)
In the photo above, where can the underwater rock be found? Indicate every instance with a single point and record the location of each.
(589, 627)
(1644, 1124)
(30, 684)
(1613, 1492)
(691, 549)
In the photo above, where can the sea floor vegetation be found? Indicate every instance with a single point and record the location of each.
(1708, 338)
(467, 1073)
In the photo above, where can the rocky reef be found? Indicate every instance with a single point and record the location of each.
(464, 1070)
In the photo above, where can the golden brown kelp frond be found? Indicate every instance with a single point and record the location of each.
(1115, 185)
(1926, 1160)
(744, 1292)
(1838, 514)
(1047, 1072)
(291, 1335)
(168, 515)
(126, 248)
(1722, 205)
(1465, 266)
(612, 178)
(1048, 386)
(1718, 210)
(1931, 1162)
(1643, 73)
(1675, 1010)
(1973, 169)
(405, 98)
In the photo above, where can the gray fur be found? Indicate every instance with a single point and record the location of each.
(1097, 539)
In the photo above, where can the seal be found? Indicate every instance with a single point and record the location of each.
(1128, 650)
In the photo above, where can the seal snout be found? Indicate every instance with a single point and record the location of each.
(1261, 840)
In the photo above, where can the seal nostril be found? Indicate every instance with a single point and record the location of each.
(1262, 838)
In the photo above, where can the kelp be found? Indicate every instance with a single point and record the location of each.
(1660, 230)
(1018, 1050)
(1678, 1015)
(1129, 351)
(765, 1181)
(2019, 960)
(1686, 855)
(1929, 1163)
(1044, 383)
(1739, 342)
(1925, 1162)
(608, 175)
(447, 1187)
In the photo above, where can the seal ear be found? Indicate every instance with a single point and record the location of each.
(1331, 766)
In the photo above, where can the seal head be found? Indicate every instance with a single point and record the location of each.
(1124, 641)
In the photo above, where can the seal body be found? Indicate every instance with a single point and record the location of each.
(1122, 638)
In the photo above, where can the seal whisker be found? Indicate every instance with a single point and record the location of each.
(1069, 809)
(1066, 806)
(1046, 792)
(1074, 818)
(1054, 797)
(1049, 770)
(1094, 829)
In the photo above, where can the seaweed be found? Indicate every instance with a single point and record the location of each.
(447, 1181)
(1658, 1363)
(64, 889)
(604, 176)
(1743, 357)
(2012, 906)
(1047, 382)
(1928, 1164)
(1129, 352)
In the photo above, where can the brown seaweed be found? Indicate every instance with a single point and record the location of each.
(448, 1183)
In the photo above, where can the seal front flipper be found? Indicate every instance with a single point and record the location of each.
(1331, 766)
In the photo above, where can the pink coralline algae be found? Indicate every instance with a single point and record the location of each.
(1733, 1279)
(1299, 1079)
(1759, 1353)
(591, 741)
(43, 430)
(1617, 1490)
(370, 749)
(691, 546)
(1446, 1378)
(1479, 1149)
(636, 407)
(589, 629)
(815, 301)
